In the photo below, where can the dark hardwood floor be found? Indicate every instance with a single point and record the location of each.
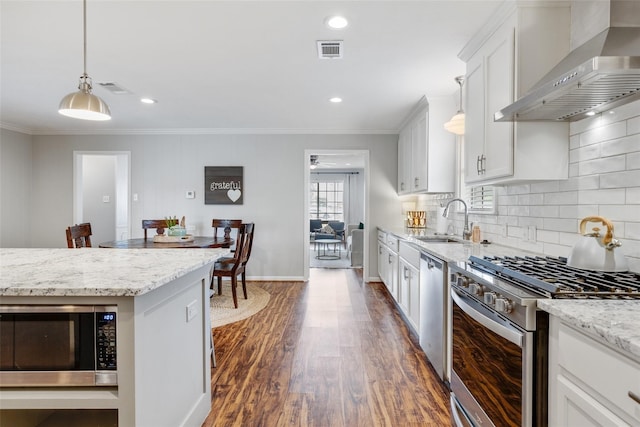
(330, 352)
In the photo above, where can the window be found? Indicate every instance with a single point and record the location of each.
(326, 201)
(481, 199)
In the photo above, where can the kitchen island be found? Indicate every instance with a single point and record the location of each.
(163, 332)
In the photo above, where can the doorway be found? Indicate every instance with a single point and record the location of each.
(101, 182)
(339, 179)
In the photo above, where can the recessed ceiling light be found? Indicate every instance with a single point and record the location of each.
(337, 22)
(148, 101)
(591, 113)
(335, 100)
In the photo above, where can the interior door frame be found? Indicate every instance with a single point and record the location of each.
(78, 157)
(305, 224)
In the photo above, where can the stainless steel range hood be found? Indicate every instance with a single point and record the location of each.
(597, 76)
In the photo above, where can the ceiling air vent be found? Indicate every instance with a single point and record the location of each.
(330, 49)
(114, 88)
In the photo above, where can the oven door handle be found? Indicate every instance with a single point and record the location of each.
(510, 334)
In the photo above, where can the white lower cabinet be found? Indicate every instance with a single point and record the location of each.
(409, 283)
(388, 262)
(590, 383)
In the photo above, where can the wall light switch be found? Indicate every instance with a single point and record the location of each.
(192, 310)
(106, 199)
(135, 197)
(191, 194)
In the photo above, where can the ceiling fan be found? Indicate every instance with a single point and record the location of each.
(314, 162)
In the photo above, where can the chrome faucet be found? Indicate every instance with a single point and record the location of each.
(466, 233)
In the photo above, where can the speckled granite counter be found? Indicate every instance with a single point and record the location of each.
(96, 272)
(615, 322)
(454, 251)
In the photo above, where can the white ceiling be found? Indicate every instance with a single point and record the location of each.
(232, 66)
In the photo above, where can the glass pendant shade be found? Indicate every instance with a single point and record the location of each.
(83, 104)
(456, 124)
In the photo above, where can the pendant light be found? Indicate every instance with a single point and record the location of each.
(456, 124)
(83, 104)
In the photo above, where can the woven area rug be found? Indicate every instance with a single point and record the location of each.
(222, 310)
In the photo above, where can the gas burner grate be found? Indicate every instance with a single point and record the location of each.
(554, 278)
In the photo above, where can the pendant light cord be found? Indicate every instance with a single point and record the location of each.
(84, 33)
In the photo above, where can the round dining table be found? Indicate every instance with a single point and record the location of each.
(203, 242)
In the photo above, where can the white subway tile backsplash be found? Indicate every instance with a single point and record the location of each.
(600, 197)
(603, 133)
(633, 125)
(544, 211)
(574, 170)
(545, 187)
(633, 161)
(620, 179)
(604, 165)
(562, 198)
(633, 196)
(628, 144)
(588, 152)
(577, 211)
(548, 236)
(561, 224)
(519, 189)
(530, 199)
(589, 182)
(574, 142)
(621, 212)
(632, 230)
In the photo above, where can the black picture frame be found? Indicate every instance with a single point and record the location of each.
(223, 185)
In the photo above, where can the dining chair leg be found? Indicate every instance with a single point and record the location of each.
(234, 283)
(219, 285)
(244, 285)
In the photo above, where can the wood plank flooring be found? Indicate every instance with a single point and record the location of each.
(330, 352)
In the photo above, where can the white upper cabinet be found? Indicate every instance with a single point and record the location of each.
(515, 49)
(426, 151)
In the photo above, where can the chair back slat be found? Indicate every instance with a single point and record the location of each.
(79, 236)
(225, 225)
(158, 224)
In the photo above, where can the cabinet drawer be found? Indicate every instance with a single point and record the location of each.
(382, 236)
(608, 374)
(410, 254)
(392, 242)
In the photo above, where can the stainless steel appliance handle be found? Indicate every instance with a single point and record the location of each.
(634, 397)
(512, 335)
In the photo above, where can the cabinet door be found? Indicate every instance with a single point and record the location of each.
(392, 273)
(414, 297)
(577, 408)
(474, 118)
(404, 280)
(499, 92)
(419, 141)
(382, 262)
(404, 161)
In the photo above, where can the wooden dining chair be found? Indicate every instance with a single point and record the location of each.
(79, 236)
(224, 227)
(232, 267)
(158, 224)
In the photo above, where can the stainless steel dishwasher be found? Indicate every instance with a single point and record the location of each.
(433, 313)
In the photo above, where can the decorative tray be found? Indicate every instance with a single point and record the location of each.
(161, 238)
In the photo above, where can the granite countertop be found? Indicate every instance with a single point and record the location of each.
(614, 322)
(95, 271)
(454, 252)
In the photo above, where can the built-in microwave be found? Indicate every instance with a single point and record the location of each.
(58, 345)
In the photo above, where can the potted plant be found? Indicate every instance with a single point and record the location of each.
(175, 228)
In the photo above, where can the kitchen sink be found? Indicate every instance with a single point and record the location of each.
(437, 239)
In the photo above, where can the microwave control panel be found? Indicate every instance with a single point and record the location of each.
(106, 341)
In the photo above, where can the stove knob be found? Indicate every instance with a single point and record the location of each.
(490, 298)
(503, 305)
(476, 289)
(463, 281)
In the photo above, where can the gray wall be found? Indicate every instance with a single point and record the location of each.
(164, 167)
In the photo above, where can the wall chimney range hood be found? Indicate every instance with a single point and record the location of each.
(601, 74)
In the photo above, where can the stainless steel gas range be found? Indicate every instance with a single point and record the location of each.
(499, 339)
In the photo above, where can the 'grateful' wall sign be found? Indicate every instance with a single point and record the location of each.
(223, 185)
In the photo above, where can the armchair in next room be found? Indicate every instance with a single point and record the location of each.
(355, 244)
